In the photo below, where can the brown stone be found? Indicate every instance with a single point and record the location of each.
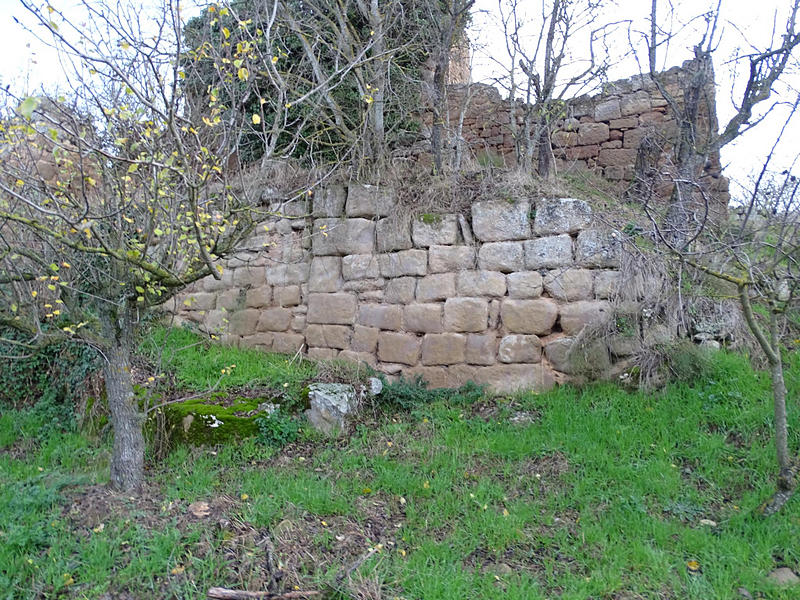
(288, 274)
(607, 110)
(582, 152)
(423, 318)
(231, 300)
(393, 234)
(336, 309)
(466, 314)
(382, 316)
(364, 285)
(365, 339)
(616, 157)
(298, 323)
(249, 276)
(592, 133)
(200, 301)
(400, 348)
(577, 315)
(520, 349)
(505, 257)
(627, 123)
(525, 284)
(287, 296)
(216, 321)
(569, 284)
(274, 319)
(443, 259)
(529, 316)
(481, 349)
(428, 230)
(261, 341)
(435, 377)
(481, 283)
(633, 137)
(365, 200)
(400, 290)
(634, 104)
(360, 266)
(507, 379)
(259, 297)
(338, 237)
(436, 287)
(322, 353)
(287, 343)
(405, 262)
(443, 348)
(328, 336)
(243, 322)
(564, 139)
(606, 283)
(358, 357)
(210, 284)
(326, 274)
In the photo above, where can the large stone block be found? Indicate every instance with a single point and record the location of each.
(334, 309)
(393, 234)
(360, 266)
(557, 352)
(369, 201)
(577, 315)
(499, 220)
(562, 215)
(592, 133)
(634, 104)
(259, 297)
(529, 316)
(505, 257)
(231, 300)
(325, 274)
(510, 378)
(616, 157)
(249, 276)
(423, 318)
(481, 283)
(364, 285)
(520, 349)
(406, 262)
(274, 319)
(444, 259)
(338, 237)
(358, 357)
(400, 290)
(481, 349)
(443, 348)
(287, 343)
(322, 353)
(466, 314)
(261, 341)
(400, 348)
(607, 283)
(365, 339)
(607, 110)
(288, 274)
(569, 284)
(382, 316)
(429, 230)
(199, 301)
(243, 322)
(440, 286)
(289, 295)
(329, 201)
(225, 281)
(548, 252)
(328, 336)
(598, 248)
(525, 284)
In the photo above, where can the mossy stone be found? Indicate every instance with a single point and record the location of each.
(204, 421)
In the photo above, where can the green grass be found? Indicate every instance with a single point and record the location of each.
(600, 493)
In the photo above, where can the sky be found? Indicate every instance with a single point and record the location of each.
(27, 64)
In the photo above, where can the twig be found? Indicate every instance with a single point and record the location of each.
(347, 571)
(220, 593)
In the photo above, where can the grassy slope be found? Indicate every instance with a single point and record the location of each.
(594, 493)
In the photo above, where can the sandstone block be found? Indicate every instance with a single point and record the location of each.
(369, 201)
(287, 296)
(624, 345)
(430, 230)
(243, 322)
(400, 348)
(259, 297)
(405, 262)
(298, 323)
(423, 318)
(360, 266)
(329, 201)
(581, 152)
(260, 341)
(510, 378)
(481, 349)
(505, 257)
(529, 316)
(443, 348)
(577, 315)
(548, 252)
(562, 215)
(325, 274)
(598, 248)
(328, 336)
(627, 123)
(274, 319)
(525, 284)
(520, 349)
(607, 110)
(466, 314)
(443, 259)
(335, 309)
(364, 285)
(338, 237)
(200, 301)
(231, 300)
(393, 234)
(592, 133)
(400, 290)
(358, 357)
(249, 276)
(633, 137)
(216, 321)
(563, 139)
(634, 104)
(498, 220)
(435, 377)
(612, 157)
(569, 284)
(606, 284)
(382, 316)
(322, 353)
(558, 354)
(440, 286)
(210, 284)
(288, 274)
(481, 283)
(365, 339)
(287, 343)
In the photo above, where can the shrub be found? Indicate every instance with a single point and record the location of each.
(405, 394)
(276, 429)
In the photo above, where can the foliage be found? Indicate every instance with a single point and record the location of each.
(405, 394)
(276, 428)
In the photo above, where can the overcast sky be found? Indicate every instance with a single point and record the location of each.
(26, 64)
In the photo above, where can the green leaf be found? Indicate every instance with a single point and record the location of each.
(27, 106)
(140, 289)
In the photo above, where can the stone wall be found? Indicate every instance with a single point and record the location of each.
(495, 296)
(600, 133)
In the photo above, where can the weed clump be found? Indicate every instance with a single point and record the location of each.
(277, 429)
(407, 394)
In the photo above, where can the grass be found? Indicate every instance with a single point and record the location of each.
(577, 493)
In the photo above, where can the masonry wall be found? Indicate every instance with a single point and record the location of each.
(495, 296)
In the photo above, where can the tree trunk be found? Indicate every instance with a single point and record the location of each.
(545, 165)
(127, 459)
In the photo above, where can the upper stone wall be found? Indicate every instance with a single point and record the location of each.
(495, 296)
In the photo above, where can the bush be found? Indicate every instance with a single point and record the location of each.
(405, 394)
(276, 429)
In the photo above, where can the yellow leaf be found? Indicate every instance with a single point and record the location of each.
(693, 566)
(243, 74)
(256, 119)
(244, 496)
(178, 570)
(505, 512)
(226, 32)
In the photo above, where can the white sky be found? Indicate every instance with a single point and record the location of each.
(27, 65)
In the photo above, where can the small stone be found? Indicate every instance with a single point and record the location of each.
(784, 577)
(331, 406)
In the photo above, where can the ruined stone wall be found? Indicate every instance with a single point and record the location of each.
(495, 296)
